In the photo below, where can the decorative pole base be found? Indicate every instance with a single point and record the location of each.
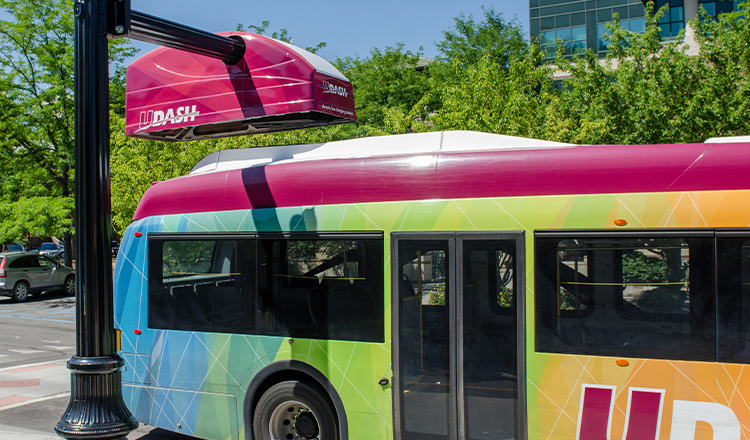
(96, 409)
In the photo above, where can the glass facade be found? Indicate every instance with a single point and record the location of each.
(674, 20)
(714, 7)
(580, 24)
(637, 25)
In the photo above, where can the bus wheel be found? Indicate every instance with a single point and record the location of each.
(293, 410)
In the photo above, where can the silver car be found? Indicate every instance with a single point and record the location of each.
(23, 273)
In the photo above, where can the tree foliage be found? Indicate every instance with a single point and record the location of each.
(493, 38)
(650, 91)
(281, 35)
(390, 80)
(486, 78)
(37, 128)
(495, 98)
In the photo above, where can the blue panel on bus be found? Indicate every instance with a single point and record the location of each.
(136, 369)
(204, 415)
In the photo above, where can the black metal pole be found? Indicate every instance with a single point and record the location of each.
(163, 32)
(96, 409)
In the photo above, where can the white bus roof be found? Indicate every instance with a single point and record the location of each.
(397, 145)
(728, 140)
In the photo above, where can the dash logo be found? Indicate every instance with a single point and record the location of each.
(157, 118)
(332, 88)
(644, 412)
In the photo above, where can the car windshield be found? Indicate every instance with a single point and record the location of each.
(49, 247)
(15, 247)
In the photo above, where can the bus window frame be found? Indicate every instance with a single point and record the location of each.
(155, 267)
(540, 318)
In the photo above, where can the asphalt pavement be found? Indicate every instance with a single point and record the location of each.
(38, 338)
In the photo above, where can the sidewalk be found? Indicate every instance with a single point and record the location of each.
(14, 433)
(23, 384)
(36, 395)
(28, 384)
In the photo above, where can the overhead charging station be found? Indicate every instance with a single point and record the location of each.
(177, 96)
(198, 85)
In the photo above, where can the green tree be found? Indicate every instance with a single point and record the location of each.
(471, 84)
(389, 81)
(725, 53)
(649, 91)
(281, 35)
(37, 128)
(492, 38)
(493, 98)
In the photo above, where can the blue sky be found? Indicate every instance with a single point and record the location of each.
(348, 28)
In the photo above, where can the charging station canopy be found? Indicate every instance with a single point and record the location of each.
(177, 96)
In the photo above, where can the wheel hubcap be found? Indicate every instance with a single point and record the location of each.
(70, 287)
(21, 292)
(294, 421)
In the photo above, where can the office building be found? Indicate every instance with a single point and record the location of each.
(580, 24)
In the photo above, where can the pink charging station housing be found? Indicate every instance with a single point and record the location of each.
(178, 96)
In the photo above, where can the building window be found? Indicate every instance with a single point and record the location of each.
(635, 25)
(573, 40)
(673, 21)
(714, 8)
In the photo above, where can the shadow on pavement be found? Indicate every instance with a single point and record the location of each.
(56, 298)
(145, 432)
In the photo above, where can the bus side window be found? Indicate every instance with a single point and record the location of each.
(201, 285)
(264, 300)
(324, 289)
(733, 282)
(626, 295)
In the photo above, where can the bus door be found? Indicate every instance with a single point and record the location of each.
(457, 329)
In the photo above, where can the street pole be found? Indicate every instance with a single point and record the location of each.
(96, 409)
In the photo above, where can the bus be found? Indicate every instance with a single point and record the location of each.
(448, 285)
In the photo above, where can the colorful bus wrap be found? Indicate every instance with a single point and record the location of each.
(451, 285)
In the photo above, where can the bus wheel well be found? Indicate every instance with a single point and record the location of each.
(281, 371)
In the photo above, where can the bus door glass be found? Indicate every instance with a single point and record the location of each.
(455, 336)
(488, 338)
(425, 314)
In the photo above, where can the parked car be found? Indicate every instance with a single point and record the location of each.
(24, 273)
(115, 248)
(15, 247)
(50, 249)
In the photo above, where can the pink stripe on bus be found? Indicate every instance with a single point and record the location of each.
(578, 170)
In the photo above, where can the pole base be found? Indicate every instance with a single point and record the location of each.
(96, 409)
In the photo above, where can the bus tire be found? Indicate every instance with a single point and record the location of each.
(294, 410)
